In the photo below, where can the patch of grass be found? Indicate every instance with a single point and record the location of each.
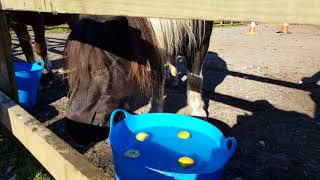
(13, 153)
(228, 24)
(41, 176)
(63, 28)
(58, 29)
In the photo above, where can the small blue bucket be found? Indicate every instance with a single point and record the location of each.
(28, 80)
(157, 155)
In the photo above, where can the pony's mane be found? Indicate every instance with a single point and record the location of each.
(82, 68)
(148, 59)
(178, 36)
(139, 50)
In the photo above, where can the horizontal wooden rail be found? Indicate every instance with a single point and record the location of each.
(273, 11)
(60, 159)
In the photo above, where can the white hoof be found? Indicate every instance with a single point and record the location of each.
(196, 104)
(156, 108)
(199, 113)
(187, 110)
(175, 82)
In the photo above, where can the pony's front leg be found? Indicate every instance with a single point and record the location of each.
(195, 80)
(157, 100)
(24, 39)
(40, 45)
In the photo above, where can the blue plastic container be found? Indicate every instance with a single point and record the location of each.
(28, 80)
(158, 155)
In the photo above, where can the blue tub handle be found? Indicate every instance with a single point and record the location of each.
(233, 145)
(113, 114)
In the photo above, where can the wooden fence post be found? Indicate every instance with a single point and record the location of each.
(7, 76)
(221, 23)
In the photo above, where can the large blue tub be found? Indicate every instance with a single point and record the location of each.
(156, 156)
(28, 80)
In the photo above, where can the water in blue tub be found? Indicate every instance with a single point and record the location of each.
(162, 149)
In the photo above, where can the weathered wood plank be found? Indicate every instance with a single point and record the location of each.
(273, 11)
(60, 159)
(7, 77)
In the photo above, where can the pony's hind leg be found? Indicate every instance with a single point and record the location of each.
(178, 72)
(171, 74)
(173, 70)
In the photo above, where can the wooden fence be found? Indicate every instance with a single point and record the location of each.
(276, 11)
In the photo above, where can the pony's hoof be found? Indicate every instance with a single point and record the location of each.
(156, 109)
(175, 82)
(193, 112)
(46, 80)
(199, 113)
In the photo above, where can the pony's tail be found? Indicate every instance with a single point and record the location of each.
(173, 35)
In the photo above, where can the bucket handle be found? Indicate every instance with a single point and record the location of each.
(113, 114)
(231, 145)
(40, 62)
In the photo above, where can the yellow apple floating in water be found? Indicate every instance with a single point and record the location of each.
(186, 162)
(142, 136)
(184, 135)
(132, 153)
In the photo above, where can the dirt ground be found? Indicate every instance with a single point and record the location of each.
(262, 89)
